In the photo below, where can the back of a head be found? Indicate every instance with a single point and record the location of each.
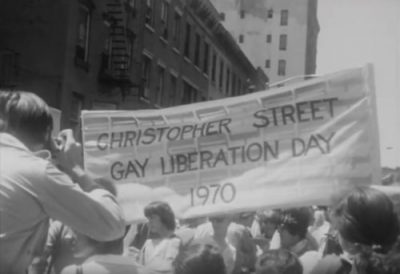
(26, 116)
(280, 261)
(296, 221)
(201, 259)
(366, 219)
(366, 216)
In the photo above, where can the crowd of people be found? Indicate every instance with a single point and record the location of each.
(56, 219)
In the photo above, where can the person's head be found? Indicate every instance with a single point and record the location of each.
(245, 218)
(27, 117)
(269, 221)
(368, 229)
(294, 226)
(161, 218)
(201, 259)
(220, 224)
(319, 217)
(366, 217)
(278, 261)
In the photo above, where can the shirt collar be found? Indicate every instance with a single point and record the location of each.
(8, 140)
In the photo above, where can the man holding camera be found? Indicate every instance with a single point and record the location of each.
(33, 189)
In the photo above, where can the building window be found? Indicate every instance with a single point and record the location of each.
(187, 40)
(241, 38)
(221, 74)
(146, 75)
(222, 16)
(283, 42)
(197, 50)
(176, 28)
(161, 86)
(82, 45)
(242, 13)
(228, 81)
(189, 93)
(8, 68)
(206, 57)
(149, 15)
(282, 67)
(267, 63)
(214, 68)
(233, 83)
(284, 17)
(270, 13)
(269, 38)
(164, 11)
(173, 90)
(164, 19)
(239, 86)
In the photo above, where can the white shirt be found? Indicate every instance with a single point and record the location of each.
(32, 190)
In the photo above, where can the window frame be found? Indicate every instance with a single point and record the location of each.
(283, 42)
(146, 74)
(84, 60)
(281, 67)
(284, 17)
(188, 32)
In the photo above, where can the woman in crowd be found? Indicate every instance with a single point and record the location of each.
(368, 229)
(201, 259)
(162, 247)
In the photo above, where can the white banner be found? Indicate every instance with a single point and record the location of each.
(282, 147)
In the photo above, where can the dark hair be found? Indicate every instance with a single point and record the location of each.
(162, 210)
(366, 217)
(296, 221)
(201, 259)
(280, 261)
(26, 115)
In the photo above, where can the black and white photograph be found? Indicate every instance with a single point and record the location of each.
(199, 136)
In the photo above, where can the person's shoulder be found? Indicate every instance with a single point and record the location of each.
(332, 264)
(110, 264)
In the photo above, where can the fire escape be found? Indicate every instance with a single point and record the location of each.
(116, 68)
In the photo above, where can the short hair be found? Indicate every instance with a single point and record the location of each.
(26, 115)
(367, 216)
(200, 259)
(296, 221)
(164, 211)
(279, 261)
